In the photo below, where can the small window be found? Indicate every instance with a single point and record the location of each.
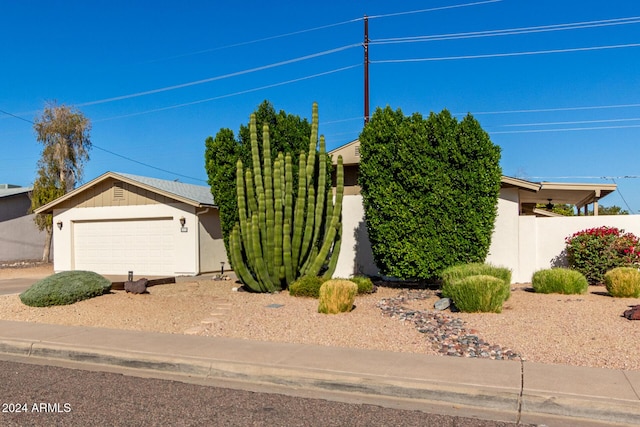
(118, 191)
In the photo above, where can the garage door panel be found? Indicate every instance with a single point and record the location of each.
(116, 247)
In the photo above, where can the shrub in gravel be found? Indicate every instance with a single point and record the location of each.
(623, 282)
(559, 281)
(457, 272)
(65, 288)
(337, 296)
(479, 293)
(365, 285)
(306, 286)
(595, 251)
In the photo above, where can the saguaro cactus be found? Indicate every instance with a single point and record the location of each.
(279, 237)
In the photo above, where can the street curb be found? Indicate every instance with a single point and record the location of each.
(498, 403)
(493, 402)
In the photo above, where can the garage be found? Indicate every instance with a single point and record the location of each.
(144, 246)
(120, 222)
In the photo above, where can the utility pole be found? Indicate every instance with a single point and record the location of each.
(366, 69)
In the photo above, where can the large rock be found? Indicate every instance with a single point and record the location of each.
(633, 313)
(442, 304)
(137, 287)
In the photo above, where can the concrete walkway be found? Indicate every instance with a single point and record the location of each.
(497, 390)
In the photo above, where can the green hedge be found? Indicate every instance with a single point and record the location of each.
(430, 189)
(65, 288)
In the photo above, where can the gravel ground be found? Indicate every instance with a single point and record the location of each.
(580, 330)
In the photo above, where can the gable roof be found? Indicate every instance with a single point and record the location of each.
(7, 190)
(191, 194)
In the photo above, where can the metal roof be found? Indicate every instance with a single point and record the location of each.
(11, 190)
(196, 195)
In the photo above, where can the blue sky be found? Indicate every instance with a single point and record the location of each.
(558, 91)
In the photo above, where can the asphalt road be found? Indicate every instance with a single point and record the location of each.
(37, 395)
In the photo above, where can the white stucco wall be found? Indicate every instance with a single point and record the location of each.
(524, 244)
(551, 233)
(355, 252)
(505, 239)
(186, 244)
(212, 250)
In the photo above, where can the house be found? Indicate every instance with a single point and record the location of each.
(525, 238)
(20, 237)
(120, 222)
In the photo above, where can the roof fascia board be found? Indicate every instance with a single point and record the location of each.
(51, 205)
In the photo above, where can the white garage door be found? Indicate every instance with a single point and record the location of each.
(117, 247)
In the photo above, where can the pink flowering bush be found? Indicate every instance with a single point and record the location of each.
(595, 251)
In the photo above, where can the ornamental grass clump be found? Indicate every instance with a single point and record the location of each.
(623, 282)
(337, 296)
(559, 281)
(65, 288)
(480, 293)
(458, 272)
(595, 251)
(306, 286)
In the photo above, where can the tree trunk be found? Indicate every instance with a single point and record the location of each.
(47, 245)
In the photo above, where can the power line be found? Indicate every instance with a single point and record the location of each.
(224, 76)
(308, 30)
(564, 129)
(510, 31)
(116, 154)
(263, 39)
(545, 110)
(17, 117)
(231, 94)
(497, 55)
(433, 9)
(621, 196)
(572, 122)
(146, 164)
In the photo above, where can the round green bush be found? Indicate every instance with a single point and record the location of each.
(65, 288)
(306, 286)
(365, 285)
(559, 281)
(623, 282)
(480, 293)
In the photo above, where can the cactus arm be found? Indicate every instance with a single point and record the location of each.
(286, 249)
(268, 230)
(261, 270)
(322, 182)
(277, 234)
(298, 219)
(321, 258)
(335, 253)
(239, 266)
(308, 230)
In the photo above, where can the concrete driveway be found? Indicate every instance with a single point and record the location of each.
(17, 285)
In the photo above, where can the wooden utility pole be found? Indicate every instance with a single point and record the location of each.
(366, 69)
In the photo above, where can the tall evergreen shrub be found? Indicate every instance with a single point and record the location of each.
(430, 189)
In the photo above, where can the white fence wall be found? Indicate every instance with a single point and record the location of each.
(525, 244)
